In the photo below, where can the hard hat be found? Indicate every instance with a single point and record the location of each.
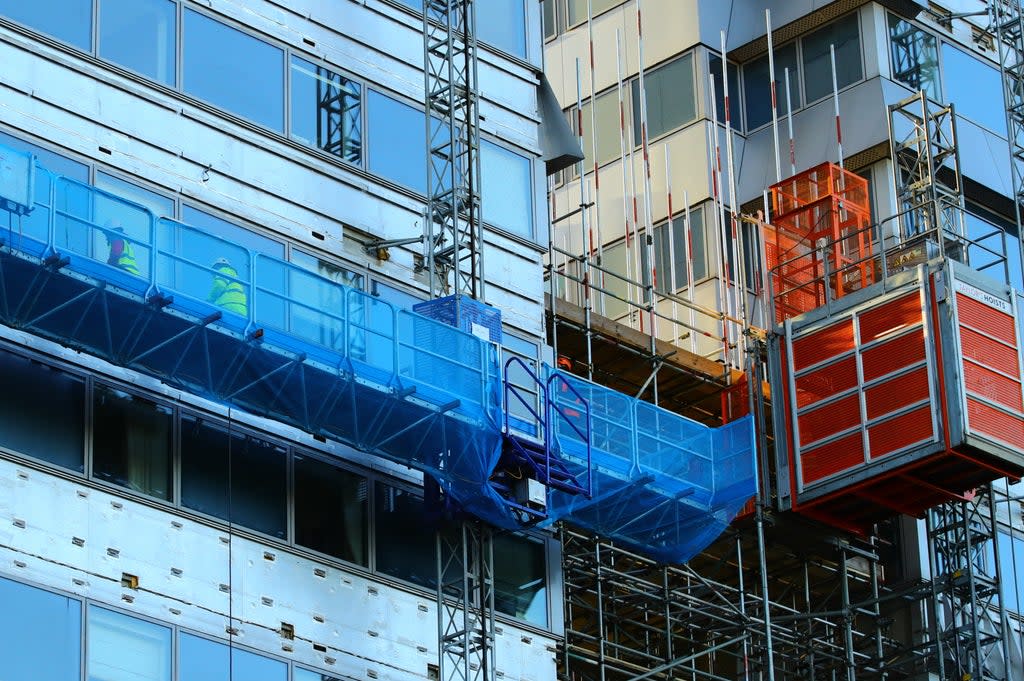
(221, 262)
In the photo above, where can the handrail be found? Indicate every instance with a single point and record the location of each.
(515, 390)
(586, 437)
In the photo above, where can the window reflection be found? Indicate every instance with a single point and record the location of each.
(973, 86)
(140, 34)
(502, 23)
(405, 536)
(670, 98)
(326, 110)
(757, 86)
(715, 68)
(123, 648)
(67, 20)
(132, 442)
(40, 638)
(915, 57)
(520, 579)
(845, 36)
(395, 139)
(233, 70)
(331, 510)
(201, 659)
(507, 189)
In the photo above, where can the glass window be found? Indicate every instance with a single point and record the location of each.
(550, 19)
(162, 206)
(233, 70)
(395, 137)
(201, 659)
(520, 579)
(405, 536)
(670, 98)
(53, 162)
(972, 86)
(257, 495)
(331, 510)
(66, 20)
(132, 442)
(123, 648)
(578, 8)
(757, 85)
(715, 68)
(915, 57)
(45, 416)
(241, 236)
(140, 34)
(327, 269)
(396, 296)
(300, 674)
(502, 23)
(41, 634)
(616, 268)
(605, 130)
(506, 189)
(845, 36)
(669, 248)
(326, 110)
(993, 249)
(1011, 559)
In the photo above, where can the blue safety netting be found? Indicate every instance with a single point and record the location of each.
(661, 483)
(299, 347)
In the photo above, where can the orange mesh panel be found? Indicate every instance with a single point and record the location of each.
(986, 383)
(893, 355)
(830, 419)
(822, 344)
(901, 432)
(989, 352)
(984, 318)
(889, 318)
(843, 454)
(996, 424)
(896, 393)
(826, 381)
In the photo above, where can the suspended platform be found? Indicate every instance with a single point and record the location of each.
(103, 275)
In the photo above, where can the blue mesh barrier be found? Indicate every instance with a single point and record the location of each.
(103, 274)
(663, 484)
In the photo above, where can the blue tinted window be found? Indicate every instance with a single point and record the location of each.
(972, 86)
(506, 189)
(161, 206)
(326, 110)
(233, 70)
(520, 579)
(201, 659)
(502, 23)
(140, 34)
(230, 231)
(300, 674)
(40, 638)
(406, 539)
(396, 139)
(56, 163)
(123, 648)
(844, 35)
(66, 20)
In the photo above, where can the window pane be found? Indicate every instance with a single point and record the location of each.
(670, 98)
(550, 21)
(578, 8)
(406, 541)
(972, 87)
(257, 495)
(616, 270)
(915, 57)
(331, 506)
(161, 206)
(502, 23)
(123, 648)
(300, 674)
(845, 35)
(140, 34)
(397, 297)
(233, 70)
(715, 68)
(132, 442)
(520, 579)
(40, 638)
(757, 85)
(27, 415)
(327, 269)
(606, 126)
(396, 137)
(507, 189)
(326, 110)
(67, 20)
(245, 238)
(201, 659)
(50, 160)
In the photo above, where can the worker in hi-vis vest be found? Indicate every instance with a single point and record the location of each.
(122, 255)
(227, 291)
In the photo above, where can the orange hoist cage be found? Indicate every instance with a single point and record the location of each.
(818, 244)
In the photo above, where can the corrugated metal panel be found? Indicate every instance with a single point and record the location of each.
(989, 352)
(827, 381)
(996, 387)
(834, 457)
(978, 315)
(891, 317)
(830, 419)
(991, 422)
(896, 393)
(893, 355)
(822, 345)
(900, 432)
